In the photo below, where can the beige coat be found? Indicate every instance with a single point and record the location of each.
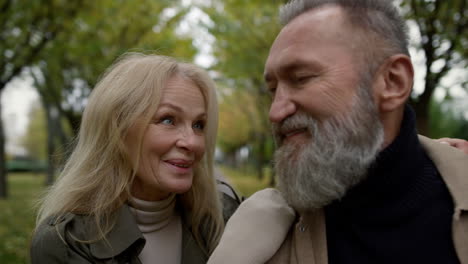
(306, 242)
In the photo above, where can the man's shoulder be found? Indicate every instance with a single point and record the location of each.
(452, 165)
(446, 158)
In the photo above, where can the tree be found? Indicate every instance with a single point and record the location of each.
(236, 124)
(72, 65)
(34, 139)
(443, 26)
(449, 118)
(25, 29)
(244, 31)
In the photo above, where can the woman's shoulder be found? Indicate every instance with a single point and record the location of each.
(59, 238)
(229, 198)
(48, 244)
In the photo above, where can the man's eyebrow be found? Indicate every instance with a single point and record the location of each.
(292, 66)
(298, 64)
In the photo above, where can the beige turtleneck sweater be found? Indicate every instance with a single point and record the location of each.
(161, 226)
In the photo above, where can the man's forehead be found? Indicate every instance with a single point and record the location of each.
(328, 14)
(324, 20)
(325, 23)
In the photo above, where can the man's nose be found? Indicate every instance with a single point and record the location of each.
(282, 106)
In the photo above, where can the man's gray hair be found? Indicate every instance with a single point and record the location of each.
(380, 17)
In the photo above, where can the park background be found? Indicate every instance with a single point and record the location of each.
(53, 51)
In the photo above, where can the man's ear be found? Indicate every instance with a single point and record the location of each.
(393, 83)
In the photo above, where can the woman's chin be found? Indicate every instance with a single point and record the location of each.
(181, 187)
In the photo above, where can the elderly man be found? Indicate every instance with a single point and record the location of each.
(366, 188)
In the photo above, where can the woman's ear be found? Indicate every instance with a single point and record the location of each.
(393, 83)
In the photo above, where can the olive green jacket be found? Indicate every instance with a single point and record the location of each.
(54, 240)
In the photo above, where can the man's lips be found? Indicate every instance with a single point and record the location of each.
(291, 133)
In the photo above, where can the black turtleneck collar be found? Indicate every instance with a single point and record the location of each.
(392, 175)
(401, 213)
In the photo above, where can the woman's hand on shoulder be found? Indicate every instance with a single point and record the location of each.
(460, 144)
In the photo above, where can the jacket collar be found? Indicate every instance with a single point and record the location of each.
(191, 251)
(452, 165)
(125, 234)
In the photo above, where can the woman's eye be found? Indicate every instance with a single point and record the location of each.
(167, 121)
(200, 125)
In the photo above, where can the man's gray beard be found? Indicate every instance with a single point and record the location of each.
(337, 157)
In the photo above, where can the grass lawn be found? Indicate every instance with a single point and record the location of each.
(17, 216)
(245, 183)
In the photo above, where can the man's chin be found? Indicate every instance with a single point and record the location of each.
(308, 203)
(293, 150)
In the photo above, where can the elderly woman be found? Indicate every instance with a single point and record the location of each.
(139, 185)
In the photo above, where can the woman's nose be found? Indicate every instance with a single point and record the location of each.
(190, 140)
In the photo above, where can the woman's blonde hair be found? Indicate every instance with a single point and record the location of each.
(97, 177)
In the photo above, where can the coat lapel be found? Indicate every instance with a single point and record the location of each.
(123, 236)
(191, 251)
(453, 167)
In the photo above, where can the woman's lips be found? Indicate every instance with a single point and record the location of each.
(180, 166)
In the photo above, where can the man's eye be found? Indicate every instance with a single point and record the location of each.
(271, 91)
(303, 78)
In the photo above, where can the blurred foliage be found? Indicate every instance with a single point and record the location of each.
(17, 219)
(26, 27)
(244, 182)
(448, 119)
(236, 124)
(244, 31)
(101, 32)
(443, 26)
(35, 138)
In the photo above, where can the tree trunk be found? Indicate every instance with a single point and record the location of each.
(3, 172)
(421, 106)
(422, 118)
(50, 146)
(260, 153)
